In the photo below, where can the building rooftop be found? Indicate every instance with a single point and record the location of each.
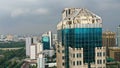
(78, 16)
(115, 48)
(108, 32)
(81, 12)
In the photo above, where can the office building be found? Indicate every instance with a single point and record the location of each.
(28, 43)
(35, 40)
(33, 51)
(109, 40)
(47, 40)
(115, 53)
(39, 47)
(40, 61)
(40, 57)
(80, 40)
(118, 36)
(51, 39)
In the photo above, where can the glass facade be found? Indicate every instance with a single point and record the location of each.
(46, 42)
(86, 38)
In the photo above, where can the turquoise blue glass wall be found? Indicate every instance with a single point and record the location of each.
(86, 38)
(46, 43)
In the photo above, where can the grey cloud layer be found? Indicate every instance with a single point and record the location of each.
(38, 16)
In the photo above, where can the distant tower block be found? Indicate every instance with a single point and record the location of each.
(118, 36)
(28, 43)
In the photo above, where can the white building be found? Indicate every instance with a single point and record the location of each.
(51, 40)
(118, 36)
(33, 51)
(28, 43)
(35, 40)
(39, 47)
(41, 61)
(40, 57)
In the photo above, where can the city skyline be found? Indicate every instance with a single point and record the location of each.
(39, 16)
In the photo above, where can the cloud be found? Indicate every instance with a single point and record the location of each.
(41, 11)
(19, 12)
(107, 4)
(23, 12)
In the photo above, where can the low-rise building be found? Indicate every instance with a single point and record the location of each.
(115, 53)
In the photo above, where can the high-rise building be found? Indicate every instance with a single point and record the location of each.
(40, 57)
(109, 40)
(51, 39)
(80, 40)
(33, 51)
(28, 43)
(118, 36)
(35, 40)
(41, 61)
(47, 40)
(39, 47)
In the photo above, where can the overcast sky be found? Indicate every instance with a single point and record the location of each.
(39, 16)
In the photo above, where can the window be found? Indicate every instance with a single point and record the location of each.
(103, 61)
(97, 61)
(80, 63)
(100, 61)
(68, 11)
(77, 63)
(80, 55)
(93, 21)
(62, 51)
(103, 53)
(73, 55)
(100, 54)
(73, 63)
(63, 63)
(62, 57)
(77, 55)
(97, 53)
